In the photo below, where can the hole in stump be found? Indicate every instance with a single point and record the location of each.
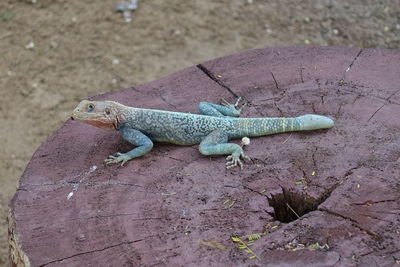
(289, 206)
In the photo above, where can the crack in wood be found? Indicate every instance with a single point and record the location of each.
(215, 79)
(381, 253)
(387, 99)
(372, 96)
(88, 184)
(376, 112)
(116, 215)
(370, 202)
(254, 191)
(273, 77)
(301, 74)
(374, 217)
(354, 222)
(354, 60)
(181, 160)
(165, 101)
(92, 251)
(279, 109)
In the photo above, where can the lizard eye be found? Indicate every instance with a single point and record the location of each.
(90, 107)
(107, 111)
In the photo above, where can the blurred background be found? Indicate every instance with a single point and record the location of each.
(54, 53)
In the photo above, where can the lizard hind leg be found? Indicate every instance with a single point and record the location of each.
(225, 109)
(216, 143)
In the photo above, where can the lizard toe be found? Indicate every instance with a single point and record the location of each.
(238, 101)
(233, 161)
(245, 157)
(224, 102)
(109, 161)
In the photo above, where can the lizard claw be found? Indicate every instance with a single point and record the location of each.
(225, 103)
(237, 101)
(116, 158)
(243, 106)
(246, 157)
(234, 107)
(234, 160)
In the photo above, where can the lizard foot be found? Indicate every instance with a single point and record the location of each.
(234, 107)
(234, 160)
(116, 158)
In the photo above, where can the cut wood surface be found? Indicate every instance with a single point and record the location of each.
(323, 198)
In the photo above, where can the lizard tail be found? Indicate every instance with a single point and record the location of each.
(314, 122)
(266, 126)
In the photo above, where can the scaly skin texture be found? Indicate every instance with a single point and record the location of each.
(211, 129)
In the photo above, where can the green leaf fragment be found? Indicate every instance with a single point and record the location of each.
(235, 239)
(6, 16)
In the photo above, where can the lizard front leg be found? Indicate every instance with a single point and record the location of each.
(226, 109)
(216, 143)
(135, 137)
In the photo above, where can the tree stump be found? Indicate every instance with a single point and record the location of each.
(322, 198)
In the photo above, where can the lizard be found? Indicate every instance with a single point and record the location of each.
(211, 129)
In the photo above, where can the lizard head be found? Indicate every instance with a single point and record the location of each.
(102, 114)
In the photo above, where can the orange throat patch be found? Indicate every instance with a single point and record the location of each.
(103, 125)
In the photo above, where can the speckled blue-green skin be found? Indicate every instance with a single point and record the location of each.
(212, 131)
(187, 129)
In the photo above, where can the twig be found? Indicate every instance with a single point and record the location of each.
(292, 210)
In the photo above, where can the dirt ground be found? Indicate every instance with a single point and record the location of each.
(55, 53)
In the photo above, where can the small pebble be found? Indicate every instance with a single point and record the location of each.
(177, 32)
(307, 42)
(335, 31)
(127, 15)
(115, 61)
(245, 141)
(70, 195)
(386, 29)
(53, 44)
(82, 237)
(30, 45)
